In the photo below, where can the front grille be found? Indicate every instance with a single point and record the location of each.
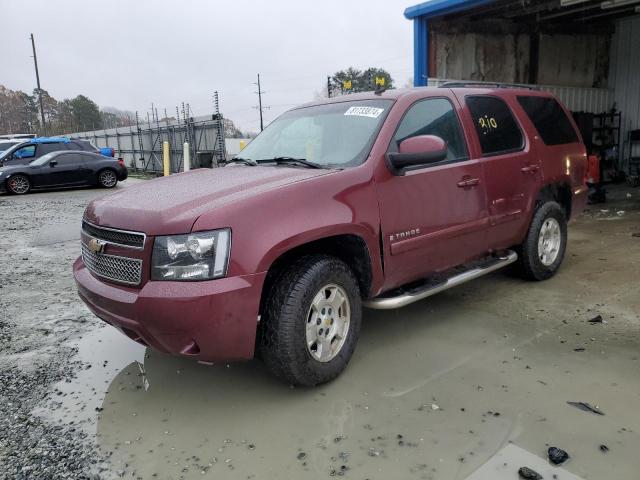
(120, 237)
(118, 269)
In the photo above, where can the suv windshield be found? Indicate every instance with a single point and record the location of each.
(332, 135)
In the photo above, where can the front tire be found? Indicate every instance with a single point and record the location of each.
(311, 321)
(19, 184)
(107, 178)
(542, 252)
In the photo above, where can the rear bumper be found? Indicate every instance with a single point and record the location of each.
(212, 320)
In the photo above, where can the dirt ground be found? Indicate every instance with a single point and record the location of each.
(470, 384)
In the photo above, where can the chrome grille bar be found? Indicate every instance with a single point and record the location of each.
(111, 267)
(112, 235)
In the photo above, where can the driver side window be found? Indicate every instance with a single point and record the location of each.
(434, 116)
(28, 151)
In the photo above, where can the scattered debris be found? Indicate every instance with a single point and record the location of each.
(434, 407)
(579, 349)
(604, 448)
(557, 455)
(585, 407)
(374, 452)
(529, 474)
(635, 234)
(597, 319)
(301, 456)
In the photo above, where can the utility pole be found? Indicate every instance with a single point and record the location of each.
(260, 92)
(35, 62)
(328, 87)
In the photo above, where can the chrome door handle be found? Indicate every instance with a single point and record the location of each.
(468, 182)
(530, 169)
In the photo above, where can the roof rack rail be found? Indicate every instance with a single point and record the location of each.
(470, 83)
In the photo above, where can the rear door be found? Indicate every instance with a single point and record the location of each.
(563, 155)
(511, 166)
(434, 217)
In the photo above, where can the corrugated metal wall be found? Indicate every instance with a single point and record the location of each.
(577, 99)
(625, 76)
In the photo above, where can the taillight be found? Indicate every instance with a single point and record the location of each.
(121, 161)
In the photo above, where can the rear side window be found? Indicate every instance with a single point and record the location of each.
(550, 121)
(68, 158)
(45, 148)
(495, 125)
(434, 116)
(88, 157)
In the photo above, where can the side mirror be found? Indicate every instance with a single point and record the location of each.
(417, 151)
(53, 163)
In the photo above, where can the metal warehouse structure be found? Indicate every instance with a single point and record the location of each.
(585, 51)
(140, 145)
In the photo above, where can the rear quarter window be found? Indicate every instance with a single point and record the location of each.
(84, 146)
(550, 120)
(495, 125)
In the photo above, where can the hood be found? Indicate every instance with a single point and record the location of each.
(171, 205)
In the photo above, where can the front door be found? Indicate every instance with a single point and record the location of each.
(433, 218)
(67, 169)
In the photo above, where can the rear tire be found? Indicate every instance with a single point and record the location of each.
(311, 321)
(19, 184)
(107, 178)
(543, 249)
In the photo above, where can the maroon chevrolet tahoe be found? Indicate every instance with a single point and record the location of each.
(377, 199)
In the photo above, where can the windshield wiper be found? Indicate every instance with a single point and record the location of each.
(246, 161)
(299, 161)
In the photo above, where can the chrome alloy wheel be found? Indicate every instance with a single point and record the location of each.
(549, 241)
(19, 184)
(108, 179)
(328, 322)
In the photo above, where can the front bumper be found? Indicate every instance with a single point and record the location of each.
(212, 320)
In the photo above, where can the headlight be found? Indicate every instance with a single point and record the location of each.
(195, 256)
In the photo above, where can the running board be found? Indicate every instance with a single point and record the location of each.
(418, 293)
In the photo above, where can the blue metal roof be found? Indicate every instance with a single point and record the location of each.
(432, 8)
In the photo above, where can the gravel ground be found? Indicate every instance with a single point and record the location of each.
(40, 313)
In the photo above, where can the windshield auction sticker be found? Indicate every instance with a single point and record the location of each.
(371, 112)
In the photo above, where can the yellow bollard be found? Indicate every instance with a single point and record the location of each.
(242, 144)
(166, 161)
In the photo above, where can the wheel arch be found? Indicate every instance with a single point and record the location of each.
(28, 177)
(351, 248)
(102, 169)
(557, 192)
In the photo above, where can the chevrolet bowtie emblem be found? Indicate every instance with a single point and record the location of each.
(96, 246)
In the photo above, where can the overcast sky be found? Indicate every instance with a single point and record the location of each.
(128, 54)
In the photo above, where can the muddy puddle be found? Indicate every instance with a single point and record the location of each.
(465, 383)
